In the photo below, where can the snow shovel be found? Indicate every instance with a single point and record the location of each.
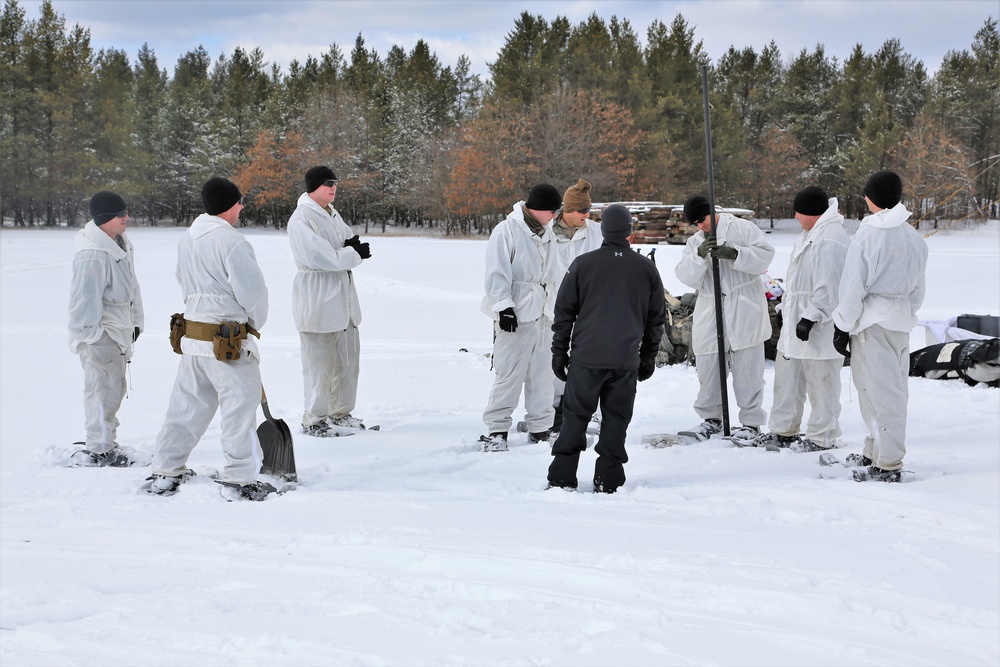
(276, 441)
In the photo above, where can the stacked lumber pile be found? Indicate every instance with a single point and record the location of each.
(654, 222)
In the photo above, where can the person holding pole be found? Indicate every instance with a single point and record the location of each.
(742, 254)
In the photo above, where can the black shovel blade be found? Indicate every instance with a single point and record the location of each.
(279, 455)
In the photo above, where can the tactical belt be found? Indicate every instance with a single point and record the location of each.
(227, 337)
(207, 331)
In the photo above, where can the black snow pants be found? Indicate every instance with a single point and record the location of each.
(614, 389)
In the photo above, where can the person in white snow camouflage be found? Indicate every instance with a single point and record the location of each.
(105, 319)
(743, 256)
(807, 363)
(574, 233)
(881, 290)
(519, 299)
(221, 282)
(609, 317)
(325, 306)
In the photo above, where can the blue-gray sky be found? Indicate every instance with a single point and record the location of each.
(293, 29)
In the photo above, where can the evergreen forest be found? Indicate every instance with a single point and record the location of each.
(421, 143)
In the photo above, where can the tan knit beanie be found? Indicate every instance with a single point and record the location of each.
(577, 196)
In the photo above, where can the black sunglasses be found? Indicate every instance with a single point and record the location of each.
(332, 183)
(583, 210)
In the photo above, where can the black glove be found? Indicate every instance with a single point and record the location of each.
(778, 318)
(353, 241)
(135, 334)
(363, 249)
(724, 252)
(560, 364)
(646, 368)
(803, 328)
(707, 246)
(508, 320)
(842, 341)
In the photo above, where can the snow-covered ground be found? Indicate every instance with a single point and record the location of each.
(411, 547)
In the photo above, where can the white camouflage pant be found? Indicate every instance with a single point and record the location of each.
(522, 359)
(203, 386)
(104, 387)
(747, 369)
(330, 370)
(880, 367)
(794, 380)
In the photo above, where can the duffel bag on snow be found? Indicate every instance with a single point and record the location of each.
(974, 361)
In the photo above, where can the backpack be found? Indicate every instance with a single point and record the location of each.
(675, 345)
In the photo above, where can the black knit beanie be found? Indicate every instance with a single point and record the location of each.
(218, 195)
(884, 188)
(696, 208)
(616, 222)
(544, 197)
(811, 201)
(106, 206)
(317, 176)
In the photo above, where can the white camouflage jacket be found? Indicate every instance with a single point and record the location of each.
(884, 274)
(324, 298)
(220, 280)
(812, 286)
(104, 293)
(744, 306)
(518, 270)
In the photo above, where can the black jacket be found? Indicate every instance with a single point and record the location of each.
(611, 305)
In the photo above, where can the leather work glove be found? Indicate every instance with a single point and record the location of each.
(724, 252)
(560, 365)
(363, 249)
(135, 334)
(646, 368)
(842, 341)
(707, 246)
(508, 320)
(803, 328)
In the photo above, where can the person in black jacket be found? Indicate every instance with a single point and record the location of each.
(610, 307)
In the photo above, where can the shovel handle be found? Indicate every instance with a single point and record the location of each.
(263, 404)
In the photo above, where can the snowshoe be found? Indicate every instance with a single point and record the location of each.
(593, 428)
(324, 430)
(494, 442)
(255, 491)
(744, 436)
(807, 445)
(775, 442)
(874, 474)
(704, 430)
(117, 457)
(162, 485)
(347, 421)
(661, 440)
(855, 460)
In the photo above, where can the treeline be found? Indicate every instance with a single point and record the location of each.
(418, 142)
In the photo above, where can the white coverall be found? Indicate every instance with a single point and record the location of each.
(105, 307)
(880, 292)
(518, 276)
(564, 251)
(745, 317)
(326, 310)
(221, 282)
(811, 367)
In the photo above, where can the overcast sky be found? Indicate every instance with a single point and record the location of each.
(293, 29)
